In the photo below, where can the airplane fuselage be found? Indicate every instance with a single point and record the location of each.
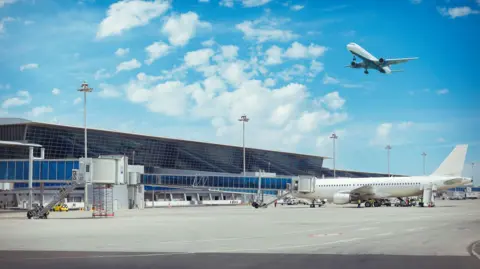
(384, 187)
(369, 61)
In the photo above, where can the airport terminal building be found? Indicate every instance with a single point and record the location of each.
(168, 163)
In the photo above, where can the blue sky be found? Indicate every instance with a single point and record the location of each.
(190, 69)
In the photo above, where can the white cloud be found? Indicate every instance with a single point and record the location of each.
(405, 125)
(416, 2)
(208, 43)
(213, 85)
(457, 11)
(263, 30)
(77, 100)
(299, 51)
(203, 1)
(108, 91)
(40, 110)
(230, 51)
(246, 3)
(383, 133)
(122, 52)
(128, 65)
(56, 91)
(6, 2)
(28, 22)
(274, 55)
(294, 71)
(396, 133)
(4, 86)
(169, 98)
(101, 74)
(226, 3)
(296, 7)
(333, 100)
(442, 91)
(234, 72)
(156, 50)
(441, 140)
(28, 66)
(330, 80)
(23, 97)
(254, 3)
(181, 28)
(198, 57)
(127, 14)
(315, 68)
(269, 82)
(3, 21)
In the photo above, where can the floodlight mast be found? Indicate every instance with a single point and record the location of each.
(334, 137)
(244, 120)
(388, 148)
(85, 89)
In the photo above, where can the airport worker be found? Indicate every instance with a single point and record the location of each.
(359, 203)
(275, 203)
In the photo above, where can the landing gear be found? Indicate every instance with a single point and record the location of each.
(373, 203)
(366, 72)
(354, 59)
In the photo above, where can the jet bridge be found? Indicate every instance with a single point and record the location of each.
(304, 184)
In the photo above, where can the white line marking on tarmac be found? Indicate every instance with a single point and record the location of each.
(385, 234)
(109, 256)
(367, 228)
(290, 247)
(415, 229)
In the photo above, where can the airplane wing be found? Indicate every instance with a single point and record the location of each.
(366, 191)
(399, 60)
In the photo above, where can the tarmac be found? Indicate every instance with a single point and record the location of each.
(444, 236)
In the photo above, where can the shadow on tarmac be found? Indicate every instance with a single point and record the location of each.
(119, 260)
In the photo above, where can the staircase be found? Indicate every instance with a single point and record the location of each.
(265, 205)
(42, 212)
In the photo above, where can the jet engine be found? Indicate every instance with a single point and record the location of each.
(354, 64)
(341, 198)
(381, 60)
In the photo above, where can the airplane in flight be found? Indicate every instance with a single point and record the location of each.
(349, 190)
(371, 62)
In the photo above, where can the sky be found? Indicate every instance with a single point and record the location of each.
(190, 69)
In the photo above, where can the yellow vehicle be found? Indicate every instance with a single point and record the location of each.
(60, 207)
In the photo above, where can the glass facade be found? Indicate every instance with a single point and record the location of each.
(156, 153)
(276, 183)
(47, 170)
(63, 142)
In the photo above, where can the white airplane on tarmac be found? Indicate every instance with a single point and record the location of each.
(350, 190)
(371, 62)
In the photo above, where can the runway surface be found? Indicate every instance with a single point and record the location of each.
(244, 237)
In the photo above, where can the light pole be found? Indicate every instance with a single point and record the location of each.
(84, 88)
(424, 155)
(388, 148)
(334, 137)
(243, 119)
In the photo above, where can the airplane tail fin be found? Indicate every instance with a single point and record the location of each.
(453, 164)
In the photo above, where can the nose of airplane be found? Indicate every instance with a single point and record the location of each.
(350, 46)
